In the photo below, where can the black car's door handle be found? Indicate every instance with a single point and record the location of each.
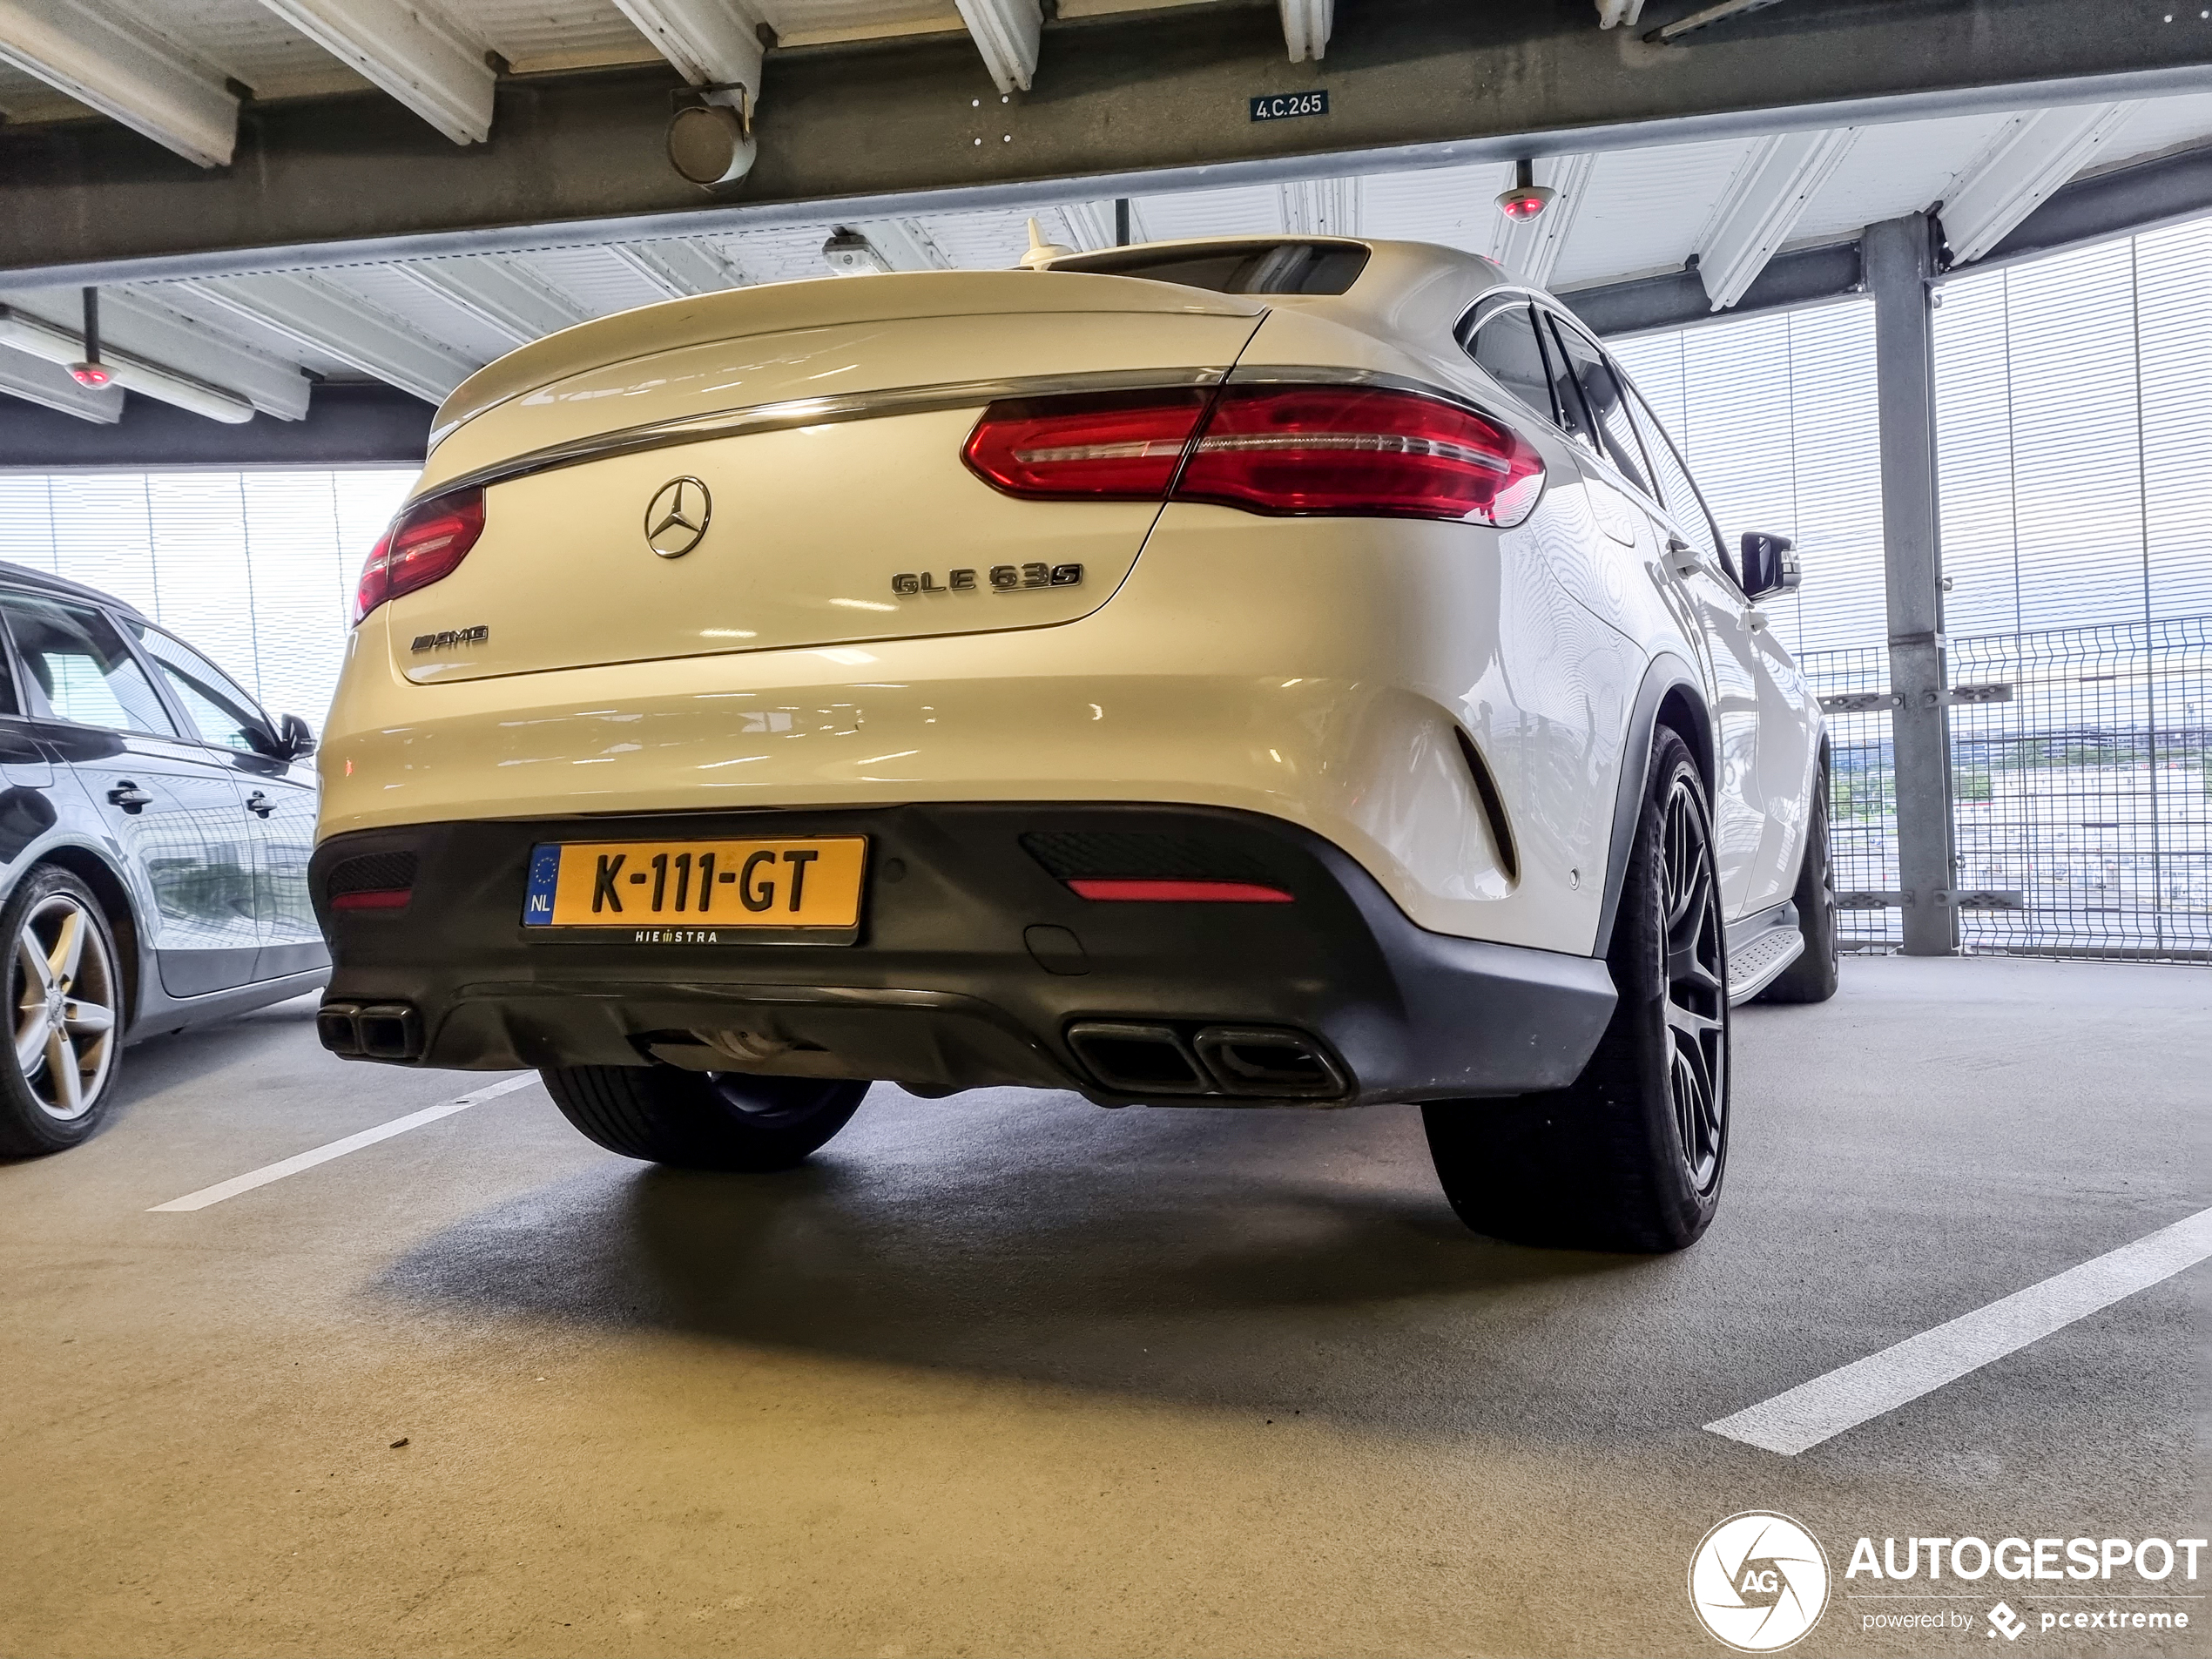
(258, 802)
(129, 797)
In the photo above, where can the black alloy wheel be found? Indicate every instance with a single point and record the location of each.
(1631, 1154)
(1814, 976)
(1697, 1000)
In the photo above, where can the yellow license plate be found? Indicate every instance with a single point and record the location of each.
(811, 881)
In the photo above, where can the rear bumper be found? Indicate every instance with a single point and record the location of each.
(975, 961)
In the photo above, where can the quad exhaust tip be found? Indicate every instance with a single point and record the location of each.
(370, 1031)
(1251, 1063)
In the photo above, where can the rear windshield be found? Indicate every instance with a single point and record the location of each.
(1235, 268)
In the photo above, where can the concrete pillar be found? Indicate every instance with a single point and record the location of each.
(1900, 262)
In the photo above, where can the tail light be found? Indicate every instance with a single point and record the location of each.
(1274, 449)
(426, 544)
(1114, 447)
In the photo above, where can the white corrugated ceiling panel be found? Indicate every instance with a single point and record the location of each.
(1894, 169)
(1644, 210)
(24, 97)
(2160, 124)
(813, 23)
(1246, 211)
(538, 36)
(599, 282)
(390, 291)
(1457, 206)
(779, 253)
(246, 40)
(229, 325)
(988, 241)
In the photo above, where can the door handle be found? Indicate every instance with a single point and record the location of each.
(258, 802)
(129, 797)
(1682, 558)
(1755, 619)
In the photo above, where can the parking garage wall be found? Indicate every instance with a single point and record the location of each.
(2073, 399)
(257, 568)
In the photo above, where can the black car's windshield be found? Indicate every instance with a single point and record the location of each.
(1234, 267)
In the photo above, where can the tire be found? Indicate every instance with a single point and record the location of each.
(699, 1120)
(1630, 1155)
(1812, 977)
(66, 1008)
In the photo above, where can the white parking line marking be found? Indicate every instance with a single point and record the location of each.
(277, 1171)
(1813, 1411)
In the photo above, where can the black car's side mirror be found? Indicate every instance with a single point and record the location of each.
(294, 740)
(1769, 565)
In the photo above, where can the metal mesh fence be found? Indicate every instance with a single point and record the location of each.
(1862, 799)
(2082, 806)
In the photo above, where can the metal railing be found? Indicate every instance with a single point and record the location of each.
(2081, 789)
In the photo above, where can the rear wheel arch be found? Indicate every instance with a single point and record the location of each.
(107, 886)
(1671, 696)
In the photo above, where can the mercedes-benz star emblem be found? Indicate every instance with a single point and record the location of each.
(676, 518)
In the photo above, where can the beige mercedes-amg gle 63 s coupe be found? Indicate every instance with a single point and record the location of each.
(1271, 672)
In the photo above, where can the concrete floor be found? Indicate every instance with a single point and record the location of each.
(1005, 1374)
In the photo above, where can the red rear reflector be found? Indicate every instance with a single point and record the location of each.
(1360, 449)
(1118, 446)
(1158, 891)
(427, 543)
(372, 899)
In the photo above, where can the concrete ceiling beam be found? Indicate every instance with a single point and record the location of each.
(1130, 107)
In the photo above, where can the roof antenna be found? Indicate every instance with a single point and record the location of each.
(91, 371)
(1041, 253)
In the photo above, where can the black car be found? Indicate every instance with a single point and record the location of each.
(155, 826)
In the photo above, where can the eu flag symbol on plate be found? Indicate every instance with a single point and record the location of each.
(545, 870)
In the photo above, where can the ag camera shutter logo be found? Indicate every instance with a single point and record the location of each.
(1759, 1582)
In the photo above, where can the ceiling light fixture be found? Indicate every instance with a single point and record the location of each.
(850, 253)
(1526, 199)
(83, 356)
(91, 372)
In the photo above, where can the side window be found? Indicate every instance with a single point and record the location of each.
(10, 699)
(1504, 343)
(220, 712)
(1683, 503)
(79, 668)
(1591, 377)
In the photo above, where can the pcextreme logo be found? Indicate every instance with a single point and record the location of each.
(1758, 1581)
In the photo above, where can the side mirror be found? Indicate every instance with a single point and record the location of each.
(294, 738)
(1769, 565)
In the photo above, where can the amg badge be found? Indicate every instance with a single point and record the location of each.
(476, 636)
(1004, 578)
